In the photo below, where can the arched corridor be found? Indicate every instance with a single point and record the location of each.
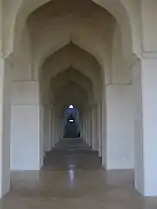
(78, 103)
(77, 81)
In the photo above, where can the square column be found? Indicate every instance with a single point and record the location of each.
(103, 129)
(89, 128)
(52, 127)
(145, 83)
(94, 121)
(5, 72)
(47, 128)
(149, 95)
(100, 129)
(86, 129)
(26, 121)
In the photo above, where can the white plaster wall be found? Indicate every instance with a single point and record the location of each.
(25, 111)
(119, 102)
(22, 58)
(25, 92)
(149, 31)
(25, 143)
(120, 73)
(25, 132)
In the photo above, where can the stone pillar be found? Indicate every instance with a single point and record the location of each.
(63, 126)
(100, 129)
(47, 128)
(88, 129)
(94, 128)
(104, 127)
(81, 121)
(145, 85)
(58, 128)
(53, 127)
(50, 128)
(85, 128)
(41, 128)
(5, 80)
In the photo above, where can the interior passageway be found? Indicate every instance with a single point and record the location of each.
(78, 103)
(72, 53)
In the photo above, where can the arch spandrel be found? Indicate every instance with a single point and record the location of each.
(26, 7)
(72, 75)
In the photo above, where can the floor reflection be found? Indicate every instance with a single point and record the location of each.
(70, 181)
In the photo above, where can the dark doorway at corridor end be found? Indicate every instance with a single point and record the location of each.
(71, 122)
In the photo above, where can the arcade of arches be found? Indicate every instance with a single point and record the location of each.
(99, 56)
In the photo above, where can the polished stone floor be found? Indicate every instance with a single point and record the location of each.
(73, 178)
(72, 153)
